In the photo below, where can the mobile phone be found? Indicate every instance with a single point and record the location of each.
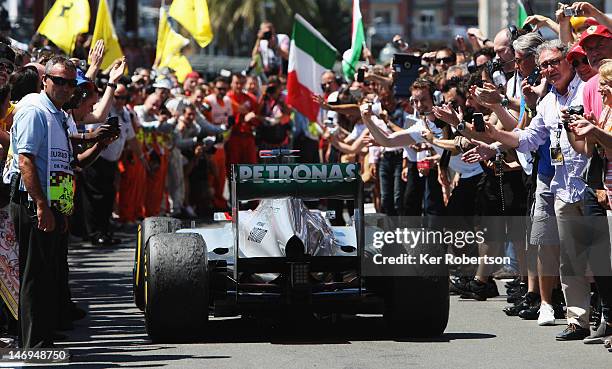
(361, 75)
(478, 120)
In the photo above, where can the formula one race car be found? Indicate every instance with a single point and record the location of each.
(279, 258)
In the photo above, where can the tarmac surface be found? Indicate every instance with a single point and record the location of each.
(479, 335)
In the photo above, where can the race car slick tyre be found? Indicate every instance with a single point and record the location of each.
(176, 287)
(417, 306)
(149, 227)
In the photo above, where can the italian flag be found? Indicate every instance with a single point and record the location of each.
(521, 14)
(349, 64)
(310, 55)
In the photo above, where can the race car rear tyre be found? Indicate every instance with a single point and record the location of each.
(417, 306)
(149, 227)
(176, 287)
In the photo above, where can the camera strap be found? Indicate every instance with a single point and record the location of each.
(499, 173)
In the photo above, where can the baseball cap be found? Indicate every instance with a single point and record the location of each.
(7, 53)
(163, 83)
(592, 31)
(193, 74)
(81, 79)
(575, 51)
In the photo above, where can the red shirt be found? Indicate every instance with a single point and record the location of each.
(240, 126)
(592, 98)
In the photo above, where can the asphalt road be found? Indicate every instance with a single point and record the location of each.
(479, 335)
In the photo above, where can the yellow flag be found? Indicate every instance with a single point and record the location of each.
(162, 32)
(104, 30)
(193, 16)
(180, 64)
(64, 22)
(169, 46)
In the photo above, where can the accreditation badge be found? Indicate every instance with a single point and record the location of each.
(556, 156)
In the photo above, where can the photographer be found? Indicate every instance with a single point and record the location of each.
(274, 114)
(272, 49)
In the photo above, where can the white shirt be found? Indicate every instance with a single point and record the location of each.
(113, 151)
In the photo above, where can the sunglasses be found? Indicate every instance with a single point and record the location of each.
(447, 60)
(121, 97)
(60, 81)
(7, 67)
(550, 63)
(576, 62)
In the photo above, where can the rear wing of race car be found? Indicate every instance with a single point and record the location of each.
(304, 181)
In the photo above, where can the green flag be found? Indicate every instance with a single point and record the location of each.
(521, 14)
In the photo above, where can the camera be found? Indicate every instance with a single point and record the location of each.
(438, 98)
(206, 107)
(495, 70)
(534, 77)
(267, 35)
(575, 110)
(570, 12)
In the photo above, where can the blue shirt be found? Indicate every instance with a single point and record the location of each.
(567, 183)
(29, 136)
(544, 166)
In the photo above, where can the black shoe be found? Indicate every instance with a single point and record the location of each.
(458, 285)
(532, 313)
(59, 337)
(530, 299)
(513, 283)
(572, 332)
(517, 295)
(76, 313)
(480, 291)
(65, 325)
(603, 331)
(105, 240)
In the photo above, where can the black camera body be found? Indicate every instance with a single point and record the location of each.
(534, 77)
(267, 35)
(575, 110)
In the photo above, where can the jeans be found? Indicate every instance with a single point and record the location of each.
(391, 184)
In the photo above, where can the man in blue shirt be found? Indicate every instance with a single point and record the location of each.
(41, 178)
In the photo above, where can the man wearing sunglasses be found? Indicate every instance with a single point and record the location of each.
(42, 187)
(445, 58)
(577, 57)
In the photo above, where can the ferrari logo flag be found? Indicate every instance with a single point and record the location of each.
(64, 22)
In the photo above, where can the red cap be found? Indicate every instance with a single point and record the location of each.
(193, 74)
(575, 52)
(592, 31)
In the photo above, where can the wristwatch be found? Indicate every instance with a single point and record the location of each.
(111, 85)
(505, 101)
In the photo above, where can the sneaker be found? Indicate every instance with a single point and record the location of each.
(531, 299)
(531, 313)
(572, 332)
(546, 315)
(518, 294)
(480, 291)
(602, 332)
(513, 283)
(458, 285)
